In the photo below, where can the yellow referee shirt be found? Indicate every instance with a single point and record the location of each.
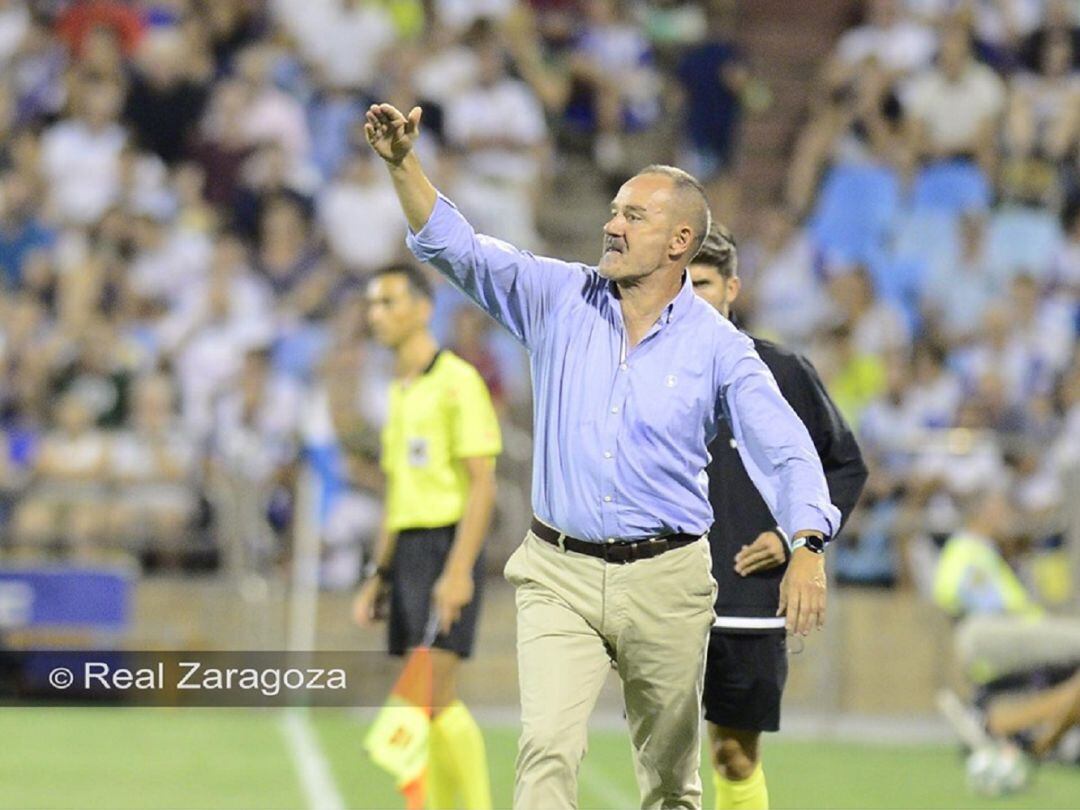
(440, 418)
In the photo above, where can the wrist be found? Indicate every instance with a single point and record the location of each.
(400, 165)
(811, 541)
(374, 570)
(457, 570)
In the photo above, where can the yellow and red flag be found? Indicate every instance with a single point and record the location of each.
(398, 739)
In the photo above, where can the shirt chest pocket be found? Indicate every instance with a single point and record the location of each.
(671, 405)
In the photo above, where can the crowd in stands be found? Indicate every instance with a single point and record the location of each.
(927, 252)
(188, 214)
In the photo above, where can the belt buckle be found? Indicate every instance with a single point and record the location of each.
(614, 554)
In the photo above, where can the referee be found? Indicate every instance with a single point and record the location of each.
(438, 452)
(746, 664)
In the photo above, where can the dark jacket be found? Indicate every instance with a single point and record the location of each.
(748, 604)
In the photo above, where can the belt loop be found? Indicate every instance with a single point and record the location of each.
(561, 542)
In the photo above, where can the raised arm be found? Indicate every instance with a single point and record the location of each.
(393, 136)
(515, 287)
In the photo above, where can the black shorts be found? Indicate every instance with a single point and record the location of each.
(744, 680)
(418, 562)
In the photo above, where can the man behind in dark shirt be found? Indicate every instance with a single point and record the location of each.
(747, 663)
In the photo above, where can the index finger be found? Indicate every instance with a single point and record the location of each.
(391, 114)
(792, 613)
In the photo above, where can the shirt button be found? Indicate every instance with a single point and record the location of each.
(623, 366)
(615, 409)
(607, 499)
(607, 454)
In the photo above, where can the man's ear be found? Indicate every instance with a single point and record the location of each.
(734, 287)
(681, 242)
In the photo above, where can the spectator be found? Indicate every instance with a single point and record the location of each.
(267, 175)
(1065, 266)
(1004, 630)
(334, 118)
(80, 156)
(714, 77)
(899, 44)
(14, 26)
(270, 114)
(788, 294)
(36, 72)
(877, 327)
(858, 124)
(459, 15)
(220, 145)
(344, 39)
(21, 232)
(167, 260)
(361, 194)
(287, 257)
(956, 297)
(208, 342)
(231, 26)
(254, 440)
(619, 89)
(954, 109)
(472, 343)
(1040, 125)
(498, 128)
(165, 101)
(65, 505)
(152, 467)
(80, 20)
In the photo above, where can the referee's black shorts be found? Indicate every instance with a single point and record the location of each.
(418, 562)
(744, 680)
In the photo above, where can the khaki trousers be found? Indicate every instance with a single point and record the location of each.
(992, 646)
(576, 615)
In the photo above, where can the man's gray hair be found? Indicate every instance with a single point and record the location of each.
(692, 196)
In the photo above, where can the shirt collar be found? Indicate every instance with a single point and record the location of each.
(678, 306)
(682, 302)
(431, 365)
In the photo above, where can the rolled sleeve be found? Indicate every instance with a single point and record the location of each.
(518, 289)
(774, 444)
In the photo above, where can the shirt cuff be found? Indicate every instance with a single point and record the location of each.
(430, 240)
(814, 520)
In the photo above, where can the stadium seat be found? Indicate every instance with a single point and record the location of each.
(855, 210)
(899, 280)
(954, 186)
(930, 237)
(1022, 240)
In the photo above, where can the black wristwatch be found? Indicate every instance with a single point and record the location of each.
(811, 542)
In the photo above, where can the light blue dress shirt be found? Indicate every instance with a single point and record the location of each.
(621, 436)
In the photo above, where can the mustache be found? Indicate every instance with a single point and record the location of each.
(614, 243)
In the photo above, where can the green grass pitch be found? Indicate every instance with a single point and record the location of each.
(239, 758)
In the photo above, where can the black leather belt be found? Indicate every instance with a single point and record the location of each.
(618, 553)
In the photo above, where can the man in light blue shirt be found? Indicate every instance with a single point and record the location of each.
(631, 373)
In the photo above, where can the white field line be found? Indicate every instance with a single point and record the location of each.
(317, 782)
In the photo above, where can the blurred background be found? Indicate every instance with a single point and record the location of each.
(190, 407)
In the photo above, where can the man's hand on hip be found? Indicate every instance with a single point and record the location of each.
(802, 592)
(452, 592)
(766, 552)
